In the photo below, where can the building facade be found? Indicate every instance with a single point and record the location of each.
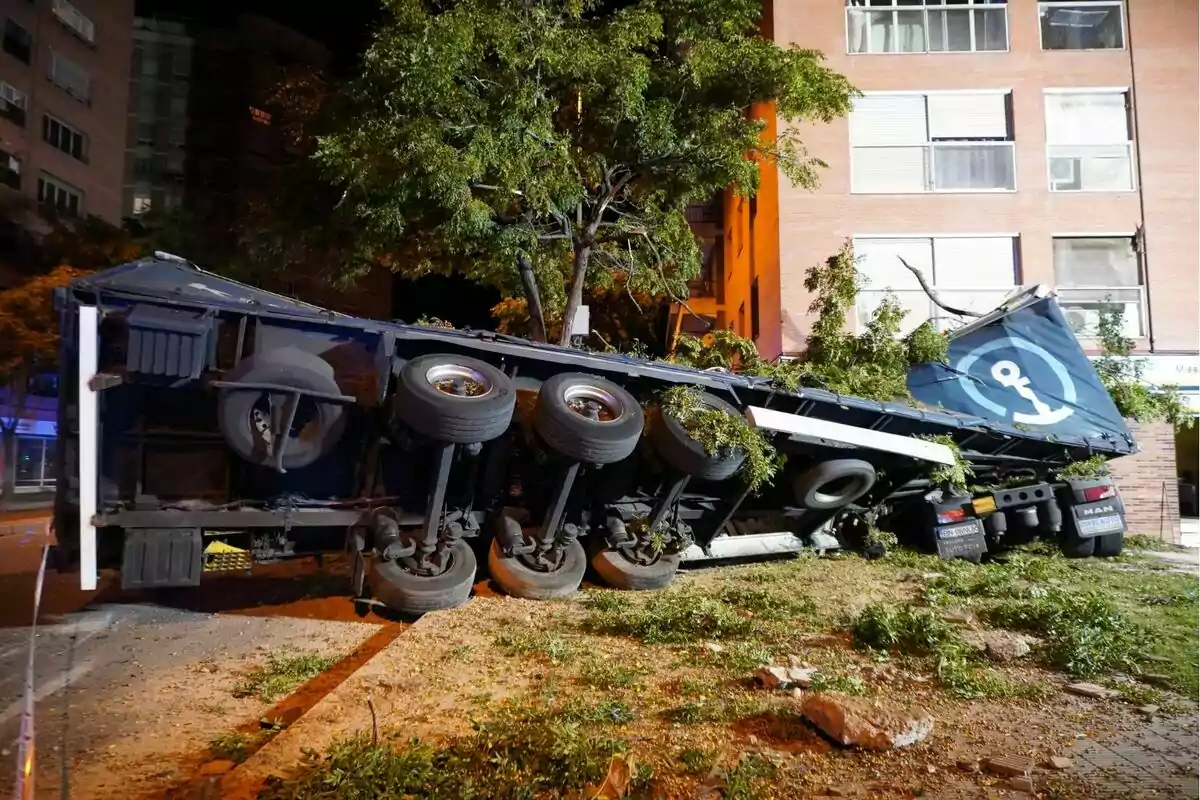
(995, 144)
(156, 141)
(64, 86)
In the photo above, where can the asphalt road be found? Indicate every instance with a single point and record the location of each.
(145, 679)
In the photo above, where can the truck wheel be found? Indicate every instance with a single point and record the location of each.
(518, 579)
(455, 399)
(1074, 546)
(833, 484)
(1110, 545)
(621, 573)
(588, 419)
(408, 593)
(244, 417)
(687, 455)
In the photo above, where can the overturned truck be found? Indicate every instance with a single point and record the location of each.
(205, 426)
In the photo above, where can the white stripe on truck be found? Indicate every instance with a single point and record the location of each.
(819, 431)
(89, 444)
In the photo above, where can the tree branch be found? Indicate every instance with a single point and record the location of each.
(925, 287)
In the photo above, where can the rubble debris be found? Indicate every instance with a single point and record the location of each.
(713, 647)
(1002, 647)
(1009, 766)
(1149, 711)
(968, 764)
(1092, 690)
(1021, 784)
(959, 617)
(776, 677)
(1061, 762)
(868, 725)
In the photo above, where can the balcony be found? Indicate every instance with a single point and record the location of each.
(966, 166)
(1090, 168)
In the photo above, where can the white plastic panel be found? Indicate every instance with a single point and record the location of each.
(891, 119)
(968, 116)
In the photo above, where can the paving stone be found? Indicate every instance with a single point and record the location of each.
(1008, 765)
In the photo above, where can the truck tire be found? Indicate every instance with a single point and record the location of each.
(427, 401)
(1110, 545)
(412, 595)
(833, 484)
(564, 418)
(1072, 545)
(244, 416)
(519, 580)
(687, 455)
(621, 573)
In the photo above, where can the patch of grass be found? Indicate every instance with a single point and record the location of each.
(1086, 633)
(766, 604)
(233, 747)
(696, 760)
(1140, 541)
(282, 674)
(460, 653)
(914, 631)
(607, 675)
(514, 757)
(968, 681)
(846, 684)
(676, 616)
(580, 711)
(523, 642)
(739, 657)
(718, 710)
(748, 779)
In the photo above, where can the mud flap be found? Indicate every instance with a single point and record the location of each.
(159, 558)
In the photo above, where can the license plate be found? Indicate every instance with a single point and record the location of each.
(1097, 526)
(962, 540)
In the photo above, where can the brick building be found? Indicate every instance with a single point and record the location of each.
(64, 88)
(996, 144)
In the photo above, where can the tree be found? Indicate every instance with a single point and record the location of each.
(28, 347)
(561, 140)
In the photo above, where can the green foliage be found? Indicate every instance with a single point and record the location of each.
(282, 674)
(1121, 374)
(721, 433)
(235, 747)
(746, 780)
(675, 616)
(845, 684)
(575, 133)
(517, 756)
(697, 761)
(873, 364)
(553, 647)
(913, 631)
(956, 476)
(607, 675)
(1087, 634)
(1094, 467)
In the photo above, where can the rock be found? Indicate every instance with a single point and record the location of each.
(931, 576)
(802, 676)
(1009, 766)
(869, 725)
(218, 767)
(967, 764)
(1149, 711)
(1155, 679)
(794, 662)
(1061, 762)
(1003, 647)
(797, 693)
(1021, 784)
(713, 647)
(959, 617)
(777, 677)
(1092, 690)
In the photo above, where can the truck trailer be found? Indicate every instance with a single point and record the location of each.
(205, 426)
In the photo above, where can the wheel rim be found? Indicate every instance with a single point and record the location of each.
(456, 380)
(593, 403)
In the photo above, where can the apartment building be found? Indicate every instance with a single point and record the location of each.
(156, 141)
(64, 84)
(996, 144)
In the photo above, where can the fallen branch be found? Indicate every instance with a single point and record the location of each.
(925, 287)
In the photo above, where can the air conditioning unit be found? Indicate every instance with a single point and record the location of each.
(1083, 320)
(1064, 174)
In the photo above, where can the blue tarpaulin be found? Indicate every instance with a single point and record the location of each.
(1025, 368)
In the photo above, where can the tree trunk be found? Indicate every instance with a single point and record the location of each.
(583, 253)
(533, 298)
(8, 488)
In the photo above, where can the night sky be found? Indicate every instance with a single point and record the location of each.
(342, 27)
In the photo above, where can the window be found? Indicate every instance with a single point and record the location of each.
(18, 42)
(12, 103)
(1088, 142)
(70, 77)
(62, 196)
(754, 310)
(141, 204)
(75, 20)
(64, 137)
(145, 133)
(934, 26)
(10, 170)
(946, 142)
(1082, 25)
(35, 463)
(970, 272)
(143, 167)
(1093, 272)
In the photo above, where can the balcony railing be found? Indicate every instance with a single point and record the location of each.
(935, 167)
(1090, 168)
(979, 27)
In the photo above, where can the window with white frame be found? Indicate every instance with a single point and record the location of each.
(932, 26)
(1089, 146)
(937, 142)
(64, 137)
(973, 273)
(35, 463)
(1082, 25)
(60, 194)
(75, 19)
(1095, 272)
(70, 77)
(12, 103)
(141, 204)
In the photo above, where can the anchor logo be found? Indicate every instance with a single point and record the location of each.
(1008, 374)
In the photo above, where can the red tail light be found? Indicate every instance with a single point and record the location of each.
(1099, 493)
(952, 515)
